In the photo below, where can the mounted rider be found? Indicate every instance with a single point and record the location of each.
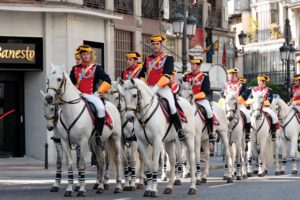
(201, 88)
(90, 77)
(133, 66)
(156, 72)
(268, 97)
(295, 93)
(78, 58)
(238, 84)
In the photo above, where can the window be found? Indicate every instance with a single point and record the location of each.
(147, 51)
(99, 51)
(124, 6)
(123, 45)
(94, 3)
(151, 8)
(274, 13)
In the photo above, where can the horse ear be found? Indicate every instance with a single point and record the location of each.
(132, 81)
(53, 66)
(121, 82)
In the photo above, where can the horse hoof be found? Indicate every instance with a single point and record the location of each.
(154, 194)
(117, 190)
(77, 188)
(203, 180)
(168, 191)
(261, 175)
(277, 173)
(245, 176)
(198, 182)
(177, 182)
(229, 180)
(140, 186)
(225, 178)
(164, 179)
(106, 186)
(255, 172)
(282, 172)
(68, 193)
(187, 175)
(95, 187)
(131, 188)
(249, 174)
(54, 189)
(147, 193)
(192, 191)
(294, 171)
(100, 190)
(126, 188)
(238, 178)
(266, 171)
(81, 194)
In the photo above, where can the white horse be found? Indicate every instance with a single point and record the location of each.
(202, 139)
(236, 132)
(290, 130)
(75, 127)
(130, 147)
(152, 128)
(260, 135)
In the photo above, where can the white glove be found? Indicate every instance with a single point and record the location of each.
(155, 88)
(293, 103)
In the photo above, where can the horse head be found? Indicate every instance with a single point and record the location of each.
(56, 84)
(50, 113)
(186, 91)
(257, 105)
(231, 104)
(116, 95)
(137, 94)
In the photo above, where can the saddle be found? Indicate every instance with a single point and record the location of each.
(93, 113)
(269, 119)
(203, 115)
(166, 109)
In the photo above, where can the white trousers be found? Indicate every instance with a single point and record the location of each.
(246, 112)
(96, 101)
(271, 113)
(167, 94)
(205, 104)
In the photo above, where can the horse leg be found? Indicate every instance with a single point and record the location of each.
(206, 155)
(100, 162)
(133, 152)
(178, 153)
(276, 156)
(249, 158)
(140, 184)
(125, 169)
(294, 143)
(283, 150)
(147, 166)
(164, 164)
(190, 144)
(170, 148)
(238, 162)
(59, 157)
(197, 158)
(69, 190)
(115, 143)
(106, 173)
(84, 148)
(224, 138)
(77, 187)
(157, 144)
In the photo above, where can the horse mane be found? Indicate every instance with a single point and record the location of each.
(142, 86)
(285, 108)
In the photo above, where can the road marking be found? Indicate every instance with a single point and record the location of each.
(227, 184)
(123, 199)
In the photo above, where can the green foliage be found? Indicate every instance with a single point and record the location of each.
(276, 89)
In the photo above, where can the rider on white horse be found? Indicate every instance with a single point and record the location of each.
(133, 67)
(235, 84)
(295, 93)
(268, 97)
(157, 71)
(87, 76)
(201, 88)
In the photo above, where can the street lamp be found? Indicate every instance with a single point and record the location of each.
(287, 52)
(242, 40)
(186, 27)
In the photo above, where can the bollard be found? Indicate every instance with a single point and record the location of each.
(46, 155)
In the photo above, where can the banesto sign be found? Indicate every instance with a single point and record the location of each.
(17, 53)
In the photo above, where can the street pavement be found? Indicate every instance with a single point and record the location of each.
(26, 178)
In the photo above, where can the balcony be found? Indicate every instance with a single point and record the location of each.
(124, 6)
(214, 20)
(265, 35)
(99, 4)
(151, 9)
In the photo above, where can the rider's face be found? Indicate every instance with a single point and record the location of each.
(232, 76)
(78, 61)
(131, 62)
(156, 46)
(195, 67)
(86, 57)
(297, 82)
(261, 83)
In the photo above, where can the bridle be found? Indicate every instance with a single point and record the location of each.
(260, 110)
(121, 97)
(54, 117)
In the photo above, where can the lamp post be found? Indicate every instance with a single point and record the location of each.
(187, 27)
(287, 52)
(242, 40)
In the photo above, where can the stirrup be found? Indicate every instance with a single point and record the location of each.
(211, 137)
(273, 136)
(99, 141)
(181, 134)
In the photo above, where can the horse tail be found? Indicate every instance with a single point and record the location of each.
(269, 153)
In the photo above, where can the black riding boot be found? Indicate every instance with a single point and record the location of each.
(209, 122)
(247, 132)
(99, 125)
(178, 126)
(273, 131)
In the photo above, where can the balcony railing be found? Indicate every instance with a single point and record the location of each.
(124, 6)
(214, 20)
(151, 9)
(100, 4)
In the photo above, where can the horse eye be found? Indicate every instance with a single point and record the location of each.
(117, 97)
(134, 96)
(59, 79)
(47, 82)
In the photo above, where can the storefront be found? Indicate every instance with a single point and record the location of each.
(18, 55)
